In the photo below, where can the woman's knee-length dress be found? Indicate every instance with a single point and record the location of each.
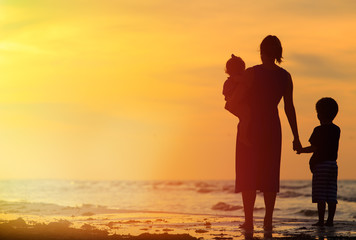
(258, 162)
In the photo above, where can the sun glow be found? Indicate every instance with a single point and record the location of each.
(132, 90)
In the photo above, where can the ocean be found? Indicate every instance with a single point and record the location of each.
(188, 197)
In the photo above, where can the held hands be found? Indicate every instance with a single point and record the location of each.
(309, 149)
(300, 151)
(297, 146)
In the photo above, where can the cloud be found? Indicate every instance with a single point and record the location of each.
(317, 66)
(202, 76)
(314, 9)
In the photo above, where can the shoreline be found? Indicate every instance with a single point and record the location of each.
(133, 225)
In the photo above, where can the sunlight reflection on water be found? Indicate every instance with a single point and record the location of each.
(198, 197)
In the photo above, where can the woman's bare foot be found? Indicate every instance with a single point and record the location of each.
(246, 226)
(267, 225)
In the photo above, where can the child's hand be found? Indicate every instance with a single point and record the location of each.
(309, 149)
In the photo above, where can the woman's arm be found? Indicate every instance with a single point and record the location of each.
(290, 112)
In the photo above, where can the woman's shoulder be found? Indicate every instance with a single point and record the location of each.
(284, 71)
(251, 71)
(253, 68)
(262, 69)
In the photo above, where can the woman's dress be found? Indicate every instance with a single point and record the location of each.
(258, 162)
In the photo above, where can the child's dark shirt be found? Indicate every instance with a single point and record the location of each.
(325, 138)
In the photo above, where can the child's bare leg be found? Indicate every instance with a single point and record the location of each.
(321, 213)
(331, 214)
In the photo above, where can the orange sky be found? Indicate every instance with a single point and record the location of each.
(132, 89)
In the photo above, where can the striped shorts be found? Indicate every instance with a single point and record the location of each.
(324, 187)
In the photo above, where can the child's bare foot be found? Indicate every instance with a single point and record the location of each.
(318, 224)
(329, 224)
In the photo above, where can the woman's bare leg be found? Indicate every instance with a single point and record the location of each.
(248, 199)
(270, 200)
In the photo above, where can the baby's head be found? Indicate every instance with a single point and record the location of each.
(235, 66)
(327, 109)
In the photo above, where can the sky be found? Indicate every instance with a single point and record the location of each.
(132, 90)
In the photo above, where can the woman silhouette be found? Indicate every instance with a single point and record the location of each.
(258, 163)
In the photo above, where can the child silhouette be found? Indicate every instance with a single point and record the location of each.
(235, 92)
(324, 146)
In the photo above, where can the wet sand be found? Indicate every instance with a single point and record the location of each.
(95, 222)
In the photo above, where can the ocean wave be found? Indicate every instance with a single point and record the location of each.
(346, 199)
(174, 183)
(229, 188)
(308, 213)
(291, 194)
(205, 185)
(221, 206)
(38, 208)
(205, 190)
(295, 187)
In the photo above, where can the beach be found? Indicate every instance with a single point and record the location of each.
(168, 210)
(90, 222)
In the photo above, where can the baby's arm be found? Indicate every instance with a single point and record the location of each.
(309, 149)
(229, 88)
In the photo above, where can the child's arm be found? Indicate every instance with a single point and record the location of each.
(309, 149)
